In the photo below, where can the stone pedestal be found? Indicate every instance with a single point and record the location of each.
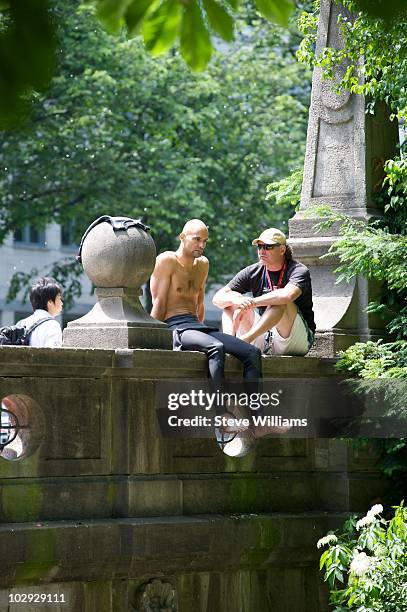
(346, 150)
(117, 320)
(118, 256)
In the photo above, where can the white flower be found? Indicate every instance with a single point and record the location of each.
(376, 509)
(370, 516)
(366, 520)
(328, 539)
(360, 563)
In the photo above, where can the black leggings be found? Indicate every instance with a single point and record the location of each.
(216, 344)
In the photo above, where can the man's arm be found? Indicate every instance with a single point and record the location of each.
(287, 294)
(278, 297)
(160, 284)
(233, 293)
(225, 297)
(200, 306)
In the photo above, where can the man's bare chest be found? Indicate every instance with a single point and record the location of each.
(187, 282)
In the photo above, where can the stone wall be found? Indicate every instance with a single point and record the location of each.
(104, 505)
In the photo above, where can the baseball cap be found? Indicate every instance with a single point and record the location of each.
(271, 236)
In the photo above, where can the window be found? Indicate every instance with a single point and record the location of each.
(30, 235)
(68, 235)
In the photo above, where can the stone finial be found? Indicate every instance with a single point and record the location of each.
(118, 255)
(156, 596)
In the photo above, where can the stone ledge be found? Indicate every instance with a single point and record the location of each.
(44, 499)
(89, 550)
(151, 364)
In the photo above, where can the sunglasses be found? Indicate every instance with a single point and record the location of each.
(267, 247)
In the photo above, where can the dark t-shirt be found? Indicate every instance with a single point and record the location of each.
(253, 278)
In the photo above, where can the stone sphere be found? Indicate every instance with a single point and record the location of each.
(118, 258)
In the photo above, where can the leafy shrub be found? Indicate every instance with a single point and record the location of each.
(366, 566)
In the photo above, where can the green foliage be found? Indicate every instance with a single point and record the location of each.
(366, 566)
(196, 47)
(382, 75)
(120, 132)
(371, 359)
(195, 23)
(307, 25)
(27, 36)
(287, 191)
(388, 10)
(395, 196)
(27, 53)
(28, 41)
(276, 10)
(393, 465)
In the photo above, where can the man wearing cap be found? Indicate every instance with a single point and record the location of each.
(280, 311)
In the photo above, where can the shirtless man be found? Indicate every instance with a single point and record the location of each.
(178, 288)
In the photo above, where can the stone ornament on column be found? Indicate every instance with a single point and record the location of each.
(341, 169)
(156, 596)
(118, 255)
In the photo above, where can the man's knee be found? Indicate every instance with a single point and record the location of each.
(228, 312)
(254, 354)
(281, 309)
(215, 347)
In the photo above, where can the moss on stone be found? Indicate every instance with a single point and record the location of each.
(22, 503)
(39, 555)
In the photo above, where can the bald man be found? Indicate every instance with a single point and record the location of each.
(178, 289)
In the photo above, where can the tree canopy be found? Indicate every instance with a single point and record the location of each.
(28, 35)
(122, 132)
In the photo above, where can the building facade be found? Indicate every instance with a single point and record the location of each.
(31, 248)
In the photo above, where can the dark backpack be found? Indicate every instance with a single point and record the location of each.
(15, 335)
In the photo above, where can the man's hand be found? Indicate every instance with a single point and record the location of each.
(225, 297)
(243, 303)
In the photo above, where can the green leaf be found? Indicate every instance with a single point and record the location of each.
(111, 14)
(323, 558)
(161, 28)
(388, 10)
(28, 65)
(233, 3)
(196, 48)
(276, 10)
(135, 14)
(219, 19)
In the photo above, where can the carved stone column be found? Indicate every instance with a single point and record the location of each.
(346, 149)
